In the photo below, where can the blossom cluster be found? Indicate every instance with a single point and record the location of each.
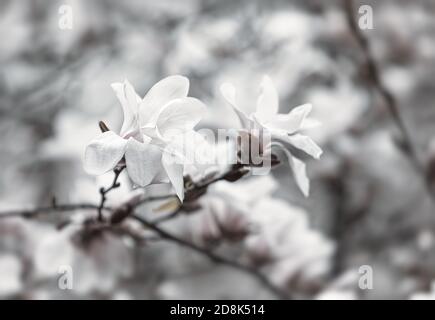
(158, 134)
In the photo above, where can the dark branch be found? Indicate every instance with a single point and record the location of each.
(105, 191)
(373, 76)
(31, 213)
(215, 258)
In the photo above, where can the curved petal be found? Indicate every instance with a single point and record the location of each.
(179, 116)
(174, 169)
(229, 93)
(167, 89)
(143, 162)
(129, 100)
(298, 168)
(268, 101)
(292, 121)
(103, 153)
(310, 123)
(305, 144)
(193, 149)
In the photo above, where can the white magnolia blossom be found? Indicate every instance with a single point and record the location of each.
(149, 141)
(284, 129)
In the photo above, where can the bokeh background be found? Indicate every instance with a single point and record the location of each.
(368, 204)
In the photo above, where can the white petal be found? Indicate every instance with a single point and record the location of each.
(229, 93)
(310, 123)
(129, 100)
(193, 149)
(299, 170)
(292, 121)
(179, 116)
(167, 89)
(143, 162)
(268, 101)
(174, 170)
(305, 144)
(103, 153)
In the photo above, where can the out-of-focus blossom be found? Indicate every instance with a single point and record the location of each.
(274, 233)
(98, 260)
(425, 295)
(150, 125)
(285, 129)
(10, 275)
(342, 288)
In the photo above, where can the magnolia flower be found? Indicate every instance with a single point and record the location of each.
(150, 125)
(284, 129)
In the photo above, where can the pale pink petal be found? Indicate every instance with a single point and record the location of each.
(305, 144)
(167, 89)
(292, 121)
(103, 153)
(129, 100)
(229, 93)
(298, 168)
(143, 162)
(174, 169)
(268, 101)
(179, 116)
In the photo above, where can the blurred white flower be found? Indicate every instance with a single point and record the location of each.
(10, 275)
(425, 295)
(294, 247)
(344, 287)
(94, 258)
(284, 129)
(275, 234)
(150, 125)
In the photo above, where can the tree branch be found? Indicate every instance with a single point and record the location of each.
(373, 76)
(214, 257)
(105, 191)
(30, 213)
(126, 210)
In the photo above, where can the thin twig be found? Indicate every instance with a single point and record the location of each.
(30, 213)
(214, 257)
(167, 217)
(104, 191)
(373, 74)
(100, 207)
(153, 198)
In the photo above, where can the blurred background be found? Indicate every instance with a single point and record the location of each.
(368, 204)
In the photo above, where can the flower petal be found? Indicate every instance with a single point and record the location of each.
(298, 168)
(179, 116)
(292, 121)
(167, 89)
(143, 162)
(305, 144)
(103, 153)
(310, 123)
(174, 169)
(268, 101)
(229, 93)
(129, 100)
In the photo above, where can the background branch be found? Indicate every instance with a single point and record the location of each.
(405, 142)
(215, 258)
